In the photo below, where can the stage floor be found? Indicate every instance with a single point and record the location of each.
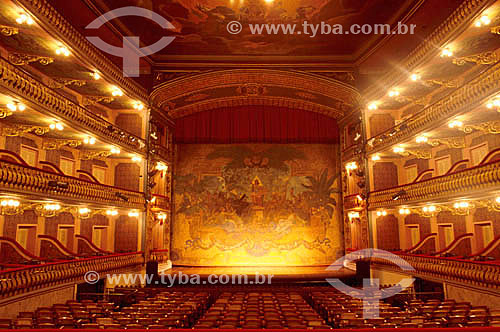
(278, 273)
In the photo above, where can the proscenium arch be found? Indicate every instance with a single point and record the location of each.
(267, 87)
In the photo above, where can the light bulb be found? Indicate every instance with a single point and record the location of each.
(376, 157)
(111, 212)
(372, 106)
(415, 77)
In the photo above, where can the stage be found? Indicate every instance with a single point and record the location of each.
(255, 275)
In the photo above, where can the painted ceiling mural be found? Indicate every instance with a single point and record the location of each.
(201, 25)
(257, 204)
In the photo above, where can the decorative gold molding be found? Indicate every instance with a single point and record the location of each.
(413, 100)
(4, 112)
(420, 154)
(59, 83)
(42, 212)
(57, 144)
(486, 58)
(446, 84)
(491, 205)
(99, 155)
(20, 59)
(8, 30)
(451, 142)
(490, 127)
(24, 129)
(92, 100)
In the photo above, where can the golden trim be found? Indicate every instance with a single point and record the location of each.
(25, 129)
(490, 127)
(20, 59)
(99, 155)
(451, 142)
(8, 31)
(5, 113)
(59, 83)
(486, 58)
(57, 144)
(420, 154)
(92, 100)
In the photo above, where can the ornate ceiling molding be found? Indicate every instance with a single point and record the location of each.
(256, 87)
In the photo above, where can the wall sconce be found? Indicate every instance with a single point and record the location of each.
(484, 20)
(89, 140)
(62, 50)
(136, 159)
(415, 77)
(24, 19)
(376, 157)
(446, 52)
(161, 166)
(133, 214)
(372, 106)
(116, 92)
(84, 211)
(111, 212)
(404, 211)
(10, 207)
(115, 150)
(138, 106)
(381, 213)
(353, 215)
(95, 75)
(495, 103)
(56, 125)
(351, 166)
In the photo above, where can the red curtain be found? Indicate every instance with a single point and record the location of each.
(256, 124)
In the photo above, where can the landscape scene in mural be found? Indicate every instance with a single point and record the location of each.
(257, 204)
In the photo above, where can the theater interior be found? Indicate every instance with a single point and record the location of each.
(236, 179)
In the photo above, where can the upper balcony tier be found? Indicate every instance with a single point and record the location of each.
(474, 181)
(22, 179)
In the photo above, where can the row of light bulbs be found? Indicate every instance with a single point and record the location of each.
(433, 208)
(446, 52)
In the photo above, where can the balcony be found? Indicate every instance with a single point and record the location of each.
(162, 152)
(478, 179)
(21, 280)
(476, 273)
(160, 202)
(21, 179)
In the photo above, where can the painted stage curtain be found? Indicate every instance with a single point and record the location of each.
(256, 124)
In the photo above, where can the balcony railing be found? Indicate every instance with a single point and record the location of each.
(162, 152)
(20, 280)
(482, 274)
(477, 179)
(160, 202)
(19, 179)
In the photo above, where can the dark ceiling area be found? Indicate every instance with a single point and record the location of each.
(202, 40)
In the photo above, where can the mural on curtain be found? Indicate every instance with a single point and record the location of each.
(257, 204)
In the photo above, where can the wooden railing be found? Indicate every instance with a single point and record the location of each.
(479, 178)
(20, 280)
(483, 274)
(162, 152)
(15, 178)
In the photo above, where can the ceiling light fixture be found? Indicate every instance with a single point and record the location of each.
(393, 93)
(398, 149)
(422, 139)
(115, 150)
(455, 124)
(95, 75)
(16, 107)
(415, 77)
(484, 20)
(89, 140)
(56, 125)
(138, 106)
(111, 212)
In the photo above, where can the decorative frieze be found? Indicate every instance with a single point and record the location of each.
(20, 59)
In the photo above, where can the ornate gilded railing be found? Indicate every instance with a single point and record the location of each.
(20, 179)
(469, 95)
(352, 202)
(483, 274)
(25, 86)
(21, 280)
(162, 152)
(59, 26)
(160, 202)
(479, 178)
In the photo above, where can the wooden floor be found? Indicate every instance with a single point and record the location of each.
(279, 274)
